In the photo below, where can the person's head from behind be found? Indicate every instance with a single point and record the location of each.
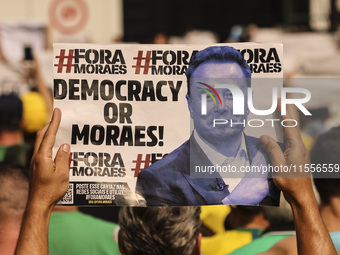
(326, 150)
(11, 112)
(159, 230)
(13, 191)
(13, 199)
(217, 65)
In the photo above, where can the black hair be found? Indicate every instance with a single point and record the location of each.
(217, 54)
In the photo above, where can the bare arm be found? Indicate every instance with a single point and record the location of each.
(311, 233)
(48, 184)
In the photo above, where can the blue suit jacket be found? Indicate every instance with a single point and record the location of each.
(168, 181)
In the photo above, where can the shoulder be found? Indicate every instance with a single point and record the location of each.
(163, 183)
(175, 161)
(97, 222)
(251, 139)
(253, 146)
(260, 244)
(78, 217)
(95, 234)
(336, 239)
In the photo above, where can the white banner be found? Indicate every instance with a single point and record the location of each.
(124, 107)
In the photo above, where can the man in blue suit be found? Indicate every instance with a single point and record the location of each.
(181, 178)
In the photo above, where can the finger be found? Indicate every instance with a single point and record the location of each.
(293, 111)
(291, 130)
(38, 139)
(289, 109)
(273, 149)
(62, 159)
(49, 137)
(292, 135)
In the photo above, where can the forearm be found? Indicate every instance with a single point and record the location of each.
(34, 231)
(312, 237)
(49, 179)
(311, 233)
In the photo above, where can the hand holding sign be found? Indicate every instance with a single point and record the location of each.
(48, 183)
(295, 185)
(49, 178)
(311, 234)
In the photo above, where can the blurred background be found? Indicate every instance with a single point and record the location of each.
(308, 29)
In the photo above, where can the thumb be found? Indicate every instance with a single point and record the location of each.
(62, 159)
(273, 149)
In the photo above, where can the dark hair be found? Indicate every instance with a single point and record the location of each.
(158, 230)
(326, 150)
(219, 54)
(13, 190)
(11, 110)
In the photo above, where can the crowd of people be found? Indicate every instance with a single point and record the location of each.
(171, 230)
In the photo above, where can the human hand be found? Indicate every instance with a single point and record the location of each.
(311, 233)
(49, 178)
(295, 185)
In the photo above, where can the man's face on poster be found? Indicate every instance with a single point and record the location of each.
(210, 73)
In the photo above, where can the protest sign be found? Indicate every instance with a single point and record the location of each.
(124, 108)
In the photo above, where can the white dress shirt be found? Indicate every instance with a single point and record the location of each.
(241, 159)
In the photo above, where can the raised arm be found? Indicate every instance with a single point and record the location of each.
(311, 233)
(48, 184)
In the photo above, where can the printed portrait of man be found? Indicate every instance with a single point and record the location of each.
(181, 178)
